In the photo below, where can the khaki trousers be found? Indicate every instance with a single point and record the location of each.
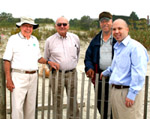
(24, 95)
(119, 109)
(59, 95)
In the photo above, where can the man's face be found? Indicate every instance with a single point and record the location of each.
(62, 26)
(106, 25)
(120, 30)
(26, 30)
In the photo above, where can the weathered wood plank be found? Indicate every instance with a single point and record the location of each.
(2, 92)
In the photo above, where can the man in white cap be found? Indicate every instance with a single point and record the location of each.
(21, 59)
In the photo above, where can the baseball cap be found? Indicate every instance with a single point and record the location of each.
(105, 15)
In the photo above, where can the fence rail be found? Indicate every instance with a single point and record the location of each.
(45, 109)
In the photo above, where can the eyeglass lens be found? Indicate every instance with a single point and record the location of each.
(64, 24)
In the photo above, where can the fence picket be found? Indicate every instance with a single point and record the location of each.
(36, 111)
(68, 98)
(88, 99)
(49, 96)
(55, 96)
(2, 92)
(43, 94)
(82, 95)
(75, 95)
(62, 92)
(103, 97)
(146, 98)
(96, 94)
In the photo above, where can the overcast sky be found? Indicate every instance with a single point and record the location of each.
(73, 8)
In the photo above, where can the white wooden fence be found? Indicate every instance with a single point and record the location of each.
(45, 109)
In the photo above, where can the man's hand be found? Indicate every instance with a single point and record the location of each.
(54, 65)
(10, 85)
(90, 73)
(101, 76)
(129, 102)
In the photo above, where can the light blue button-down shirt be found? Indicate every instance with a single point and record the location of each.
(129, 66)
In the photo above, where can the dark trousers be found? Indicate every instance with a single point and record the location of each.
(105, 113)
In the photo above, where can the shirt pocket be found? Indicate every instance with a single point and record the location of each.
(123, 61)
(73, 51)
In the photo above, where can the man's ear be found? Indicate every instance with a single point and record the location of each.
(128, 29)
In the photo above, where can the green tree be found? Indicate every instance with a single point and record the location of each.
(5, 16)
(44, 20)
(134, 16)
(74, 23)
(85, 22)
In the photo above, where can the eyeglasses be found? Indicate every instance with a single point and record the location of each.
(64, 24)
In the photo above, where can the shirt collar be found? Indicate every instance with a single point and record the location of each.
(61, 36)
(22, 37)
(110, 38)
(124, 42)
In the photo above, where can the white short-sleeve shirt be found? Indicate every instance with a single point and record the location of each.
(22, 53)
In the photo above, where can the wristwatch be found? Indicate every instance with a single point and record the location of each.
(47, 62)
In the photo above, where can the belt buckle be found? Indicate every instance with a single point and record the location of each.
(19, 71)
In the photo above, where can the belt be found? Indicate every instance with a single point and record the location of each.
(67, 71)
(23, 71)
(119, 86)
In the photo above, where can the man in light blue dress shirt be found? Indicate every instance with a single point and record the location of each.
(127, 73)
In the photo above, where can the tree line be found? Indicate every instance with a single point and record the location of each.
(139, 29)
(7, 20)
(85, 23)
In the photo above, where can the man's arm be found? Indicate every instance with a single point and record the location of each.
(52, 64)
(7, 68)
(139, 59)
(89, 68)
(88, 58)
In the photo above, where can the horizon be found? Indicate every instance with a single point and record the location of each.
(80, 17)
